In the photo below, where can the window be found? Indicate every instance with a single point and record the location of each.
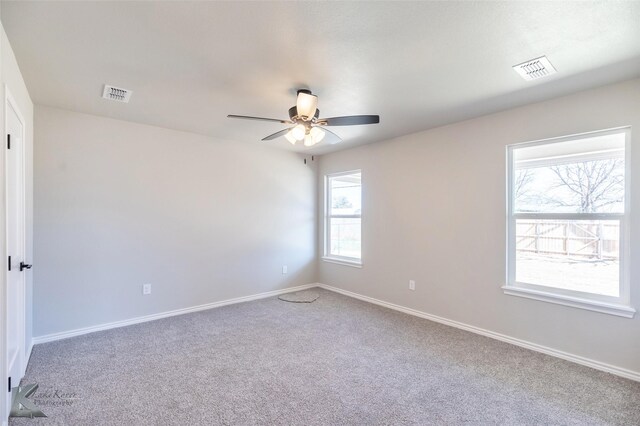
(343, 208)
(567, 221)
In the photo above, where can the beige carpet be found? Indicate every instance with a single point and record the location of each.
(336, 361)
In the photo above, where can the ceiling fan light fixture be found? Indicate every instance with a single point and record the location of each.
(290, 138)
(307, 126)
(298, 132)
(317, 134)
(306, 104)
(308, 140)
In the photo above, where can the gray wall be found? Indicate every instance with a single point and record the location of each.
(120, 204)
(434, 211)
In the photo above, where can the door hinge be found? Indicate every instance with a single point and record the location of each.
(8, 141)
(9, 383)
(9, 263)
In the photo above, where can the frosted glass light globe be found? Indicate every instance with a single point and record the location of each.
(298, 132)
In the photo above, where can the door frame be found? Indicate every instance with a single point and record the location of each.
(9, 102)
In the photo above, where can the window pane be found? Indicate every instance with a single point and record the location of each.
(346, 194)
(580, 176)
(345, 237)
(567, 254)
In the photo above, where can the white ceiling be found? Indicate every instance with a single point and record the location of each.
(417, 64)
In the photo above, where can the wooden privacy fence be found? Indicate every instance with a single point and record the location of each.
(591, 239)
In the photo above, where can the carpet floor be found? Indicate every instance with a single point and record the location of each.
(336, 361)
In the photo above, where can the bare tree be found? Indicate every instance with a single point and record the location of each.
(594, 184)
(521, 183)
(342, 202)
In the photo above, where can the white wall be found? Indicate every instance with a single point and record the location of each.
(434, 211)
(120, 204)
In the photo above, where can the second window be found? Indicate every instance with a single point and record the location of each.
(343, 216)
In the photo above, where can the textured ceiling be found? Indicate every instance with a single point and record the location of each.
(417, 64)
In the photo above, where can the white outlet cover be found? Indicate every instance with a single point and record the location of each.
(412, 285)
(284, 269)
(146, 289)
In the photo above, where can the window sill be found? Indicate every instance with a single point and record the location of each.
(591, 305)
(352, 263)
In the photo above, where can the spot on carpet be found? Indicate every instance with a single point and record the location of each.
(305, 296)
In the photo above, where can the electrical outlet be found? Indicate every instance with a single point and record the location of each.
(146, 289)
(412, 285)
(284, 269)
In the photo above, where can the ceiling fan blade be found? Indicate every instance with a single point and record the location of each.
(248, 117)
(276, 135)
(331, 138)
(350, 120)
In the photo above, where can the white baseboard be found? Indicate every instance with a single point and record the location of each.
(28, 355)
(622, 372)
(80, 331)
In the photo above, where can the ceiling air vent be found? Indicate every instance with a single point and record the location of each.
(535, 68)
(116, 94)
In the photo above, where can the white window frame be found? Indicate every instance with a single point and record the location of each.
(620, 306)
(328, 257)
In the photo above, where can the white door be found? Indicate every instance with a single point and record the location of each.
(15, 309)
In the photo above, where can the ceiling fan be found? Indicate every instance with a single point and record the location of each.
(306, 126)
